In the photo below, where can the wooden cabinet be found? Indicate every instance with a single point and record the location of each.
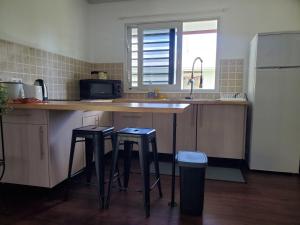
(122, 120)
(221, 130)
(163, 123)
(105, 119)
(218, 130)
(61, 124)
(27, 155)
(186, 129)
(37, 144)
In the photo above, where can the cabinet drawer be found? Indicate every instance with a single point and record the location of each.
(122, 120)
(26, 116)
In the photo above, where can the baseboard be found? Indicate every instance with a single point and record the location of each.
(274, 172)
(212, 161)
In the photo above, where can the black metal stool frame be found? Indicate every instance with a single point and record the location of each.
(144, 141)
(94, 144)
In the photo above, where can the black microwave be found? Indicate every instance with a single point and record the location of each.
(99, 89)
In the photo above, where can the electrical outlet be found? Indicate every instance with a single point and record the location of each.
(16, 80)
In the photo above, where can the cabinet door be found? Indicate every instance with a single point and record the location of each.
(220, 130)
(61, 124)
(163, 123)
(38, 155)
(122, 120)
(185, 133)
(186, 129)
(105, 119)
(26, 151)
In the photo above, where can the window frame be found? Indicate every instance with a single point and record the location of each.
(165, 88)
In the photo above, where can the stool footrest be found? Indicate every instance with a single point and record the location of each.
(154, 184)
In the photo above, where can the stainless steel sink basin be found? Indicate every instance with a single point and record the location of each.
(232, 99)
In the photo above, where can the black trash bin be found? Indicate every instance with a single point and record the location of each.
(192, 167)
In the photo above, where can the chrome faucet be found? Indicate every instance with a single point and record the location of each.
(192, 80)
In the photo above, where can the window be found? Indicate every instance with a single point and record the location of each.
(162, 54)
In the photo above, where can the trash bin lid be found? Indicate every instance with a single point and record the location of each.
(191, 159)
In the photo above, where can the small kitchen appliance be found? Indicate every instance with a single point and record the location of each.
(40, 82)
(273, 92)
(99, 89)
(33, 91)
(14, 89)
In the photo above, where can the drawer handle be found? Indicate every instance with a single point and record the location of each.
(41, 143)
(194, 110)
(132, 116)
(20, 115)
(200, 116)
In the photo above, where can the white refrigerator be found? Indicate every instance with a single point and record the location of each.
(274, 95)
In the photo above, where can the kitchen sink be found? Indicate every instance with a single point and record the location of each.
(231, 99)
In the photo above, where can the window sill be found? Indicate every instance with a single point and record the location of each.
(204, 91)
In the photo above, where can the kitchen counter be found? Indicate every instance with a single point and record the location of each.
(214, 125)
(127, 105)
(186, 101)
(157, 107)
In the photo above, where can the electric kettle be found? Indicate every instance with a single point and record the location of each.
(40, 82)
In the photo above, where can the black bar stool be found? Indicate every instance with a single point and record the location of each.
(94, 138)
(143, 137)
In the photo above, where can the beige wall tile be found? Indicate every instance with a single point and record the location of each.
(62, 73)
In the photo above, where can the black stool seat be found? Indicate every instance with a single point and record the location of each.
(91, 130)
(94, 138)
(137, 131)
(144, 137)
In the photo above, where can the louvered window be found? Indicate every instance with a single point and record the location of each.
(161, 55)
(158, 56)
(152, 55)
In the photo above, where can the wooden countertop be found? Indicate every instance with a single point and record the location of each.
(186, 101)
(156, 107)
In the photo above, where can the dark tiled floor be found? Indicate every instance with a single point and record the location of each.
(266, 199)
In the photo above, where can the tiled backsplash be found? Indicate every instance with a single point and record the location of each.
(231, 75)
(62, 73)
(114, 70)
(230, 80)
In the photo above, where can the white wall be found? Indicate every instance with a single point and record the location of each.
(96, 32)
(59, 26)
(240, 20)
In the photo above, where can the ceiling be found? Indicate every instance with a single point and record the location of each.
(104, 1)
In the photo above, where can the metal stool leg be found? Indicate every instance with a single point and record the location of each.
(72, 149)
(128, 145)
(98, 146)
(156, 165)
(112, 170)
(144, 163)
(88, 158)
(113, 141)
